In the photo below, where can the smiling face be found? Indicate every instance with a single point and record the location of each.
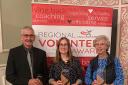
(101, 47)
(63, 47)
(27, 37)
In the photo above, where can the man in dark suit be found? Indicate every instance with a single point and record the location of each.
(23, 71)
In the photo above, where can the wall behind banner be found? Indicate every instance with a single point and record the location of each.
(15, 14)
(13, 20)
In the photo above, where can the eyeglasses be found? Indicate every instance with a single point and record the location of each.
(26, 35)
(63, 45)
(100, 44)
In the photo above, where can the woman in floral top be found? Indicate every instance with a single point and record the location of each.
(65, 65)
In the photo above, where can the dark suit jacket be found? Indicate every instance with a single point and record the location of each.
(18, 71)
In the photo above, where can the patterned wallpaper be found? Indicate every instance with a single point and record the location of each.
(122, 6)
(82, 2)
(124, 39)
(91, 2)
(124, 1)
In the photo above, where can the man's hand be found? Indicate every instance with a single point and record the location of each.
(35, 82)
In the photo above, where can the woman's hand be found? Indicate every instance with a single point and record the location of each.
(75, 84)
(95, 82)
(108, 84)
(59, 82)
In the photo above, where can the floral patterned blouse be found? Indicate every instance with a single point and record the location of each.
(71, 70)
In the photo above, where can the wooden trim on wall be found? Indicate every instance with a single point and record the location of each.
(1, 46)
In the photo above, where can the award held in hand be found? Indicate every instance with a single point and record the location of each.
(65, 77)
(100, 76)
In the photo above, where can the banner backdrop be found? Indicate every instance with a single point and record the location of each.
(80, 24)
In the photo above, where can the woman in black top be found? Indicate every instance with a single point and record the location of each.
(65, 65)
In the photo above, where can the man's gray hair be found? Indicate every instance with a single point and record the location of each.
(27, 27)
